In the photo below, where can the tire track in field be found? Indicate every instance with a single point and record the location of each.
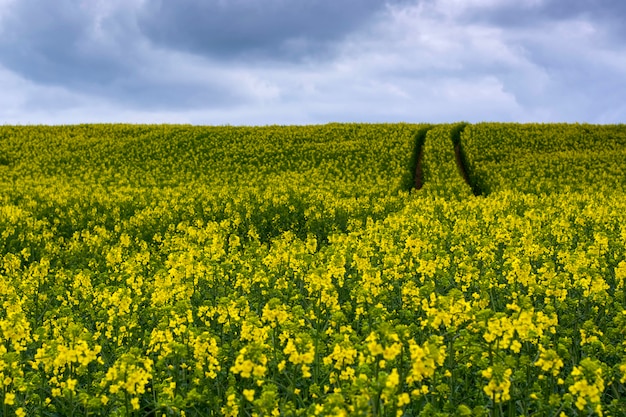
(439, 158)
(418, 157)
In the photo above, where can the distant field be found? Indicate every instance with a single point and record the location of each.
(547, 158)
(342, 269)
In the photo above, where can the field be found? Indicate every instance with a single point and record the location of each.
(335, 270)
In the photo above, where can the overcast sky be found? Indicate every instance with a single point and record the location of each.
(258, 62)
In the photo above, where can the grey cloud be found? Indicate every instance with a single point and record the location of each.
(581, 77)
(612, 13)
(68, 43)
(63, 43)
(146, 95)
(311, 61)
(51, 42)
(270, 29)
(567, 53)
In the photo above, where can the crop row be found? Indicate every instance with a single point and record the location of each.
(441, 171)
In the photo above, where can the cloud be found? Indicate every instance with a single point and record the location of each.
(155, 55)
(23, 101)
(563, 67)
(311, 61)
(270, 29)
(96, 49)
(56, 41)
(529, 13)
(97, 42)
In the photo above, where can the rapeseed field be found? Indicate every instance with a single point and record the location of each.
(162, 270)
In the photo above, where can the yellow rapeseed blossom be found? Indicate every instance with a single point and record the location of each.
(341, 356)
(588, 385)
(497, 389)
(9, 398)
(549, 361)
(425, 359)
(248, 394)
(403, 399)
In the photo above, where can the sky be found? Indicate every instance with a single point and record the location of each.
(263, 62)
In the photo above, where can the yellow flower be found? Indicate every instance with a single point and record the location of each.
(588, 384)
(403, 399)
(499, 384)
(259, 371)
(390, 352)
(71, 384)
(393, 379)
(135, 403)
(425, 359)
(9, 398)
(375, 348)
(549, 361)
(248, 394)
(341, 356)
